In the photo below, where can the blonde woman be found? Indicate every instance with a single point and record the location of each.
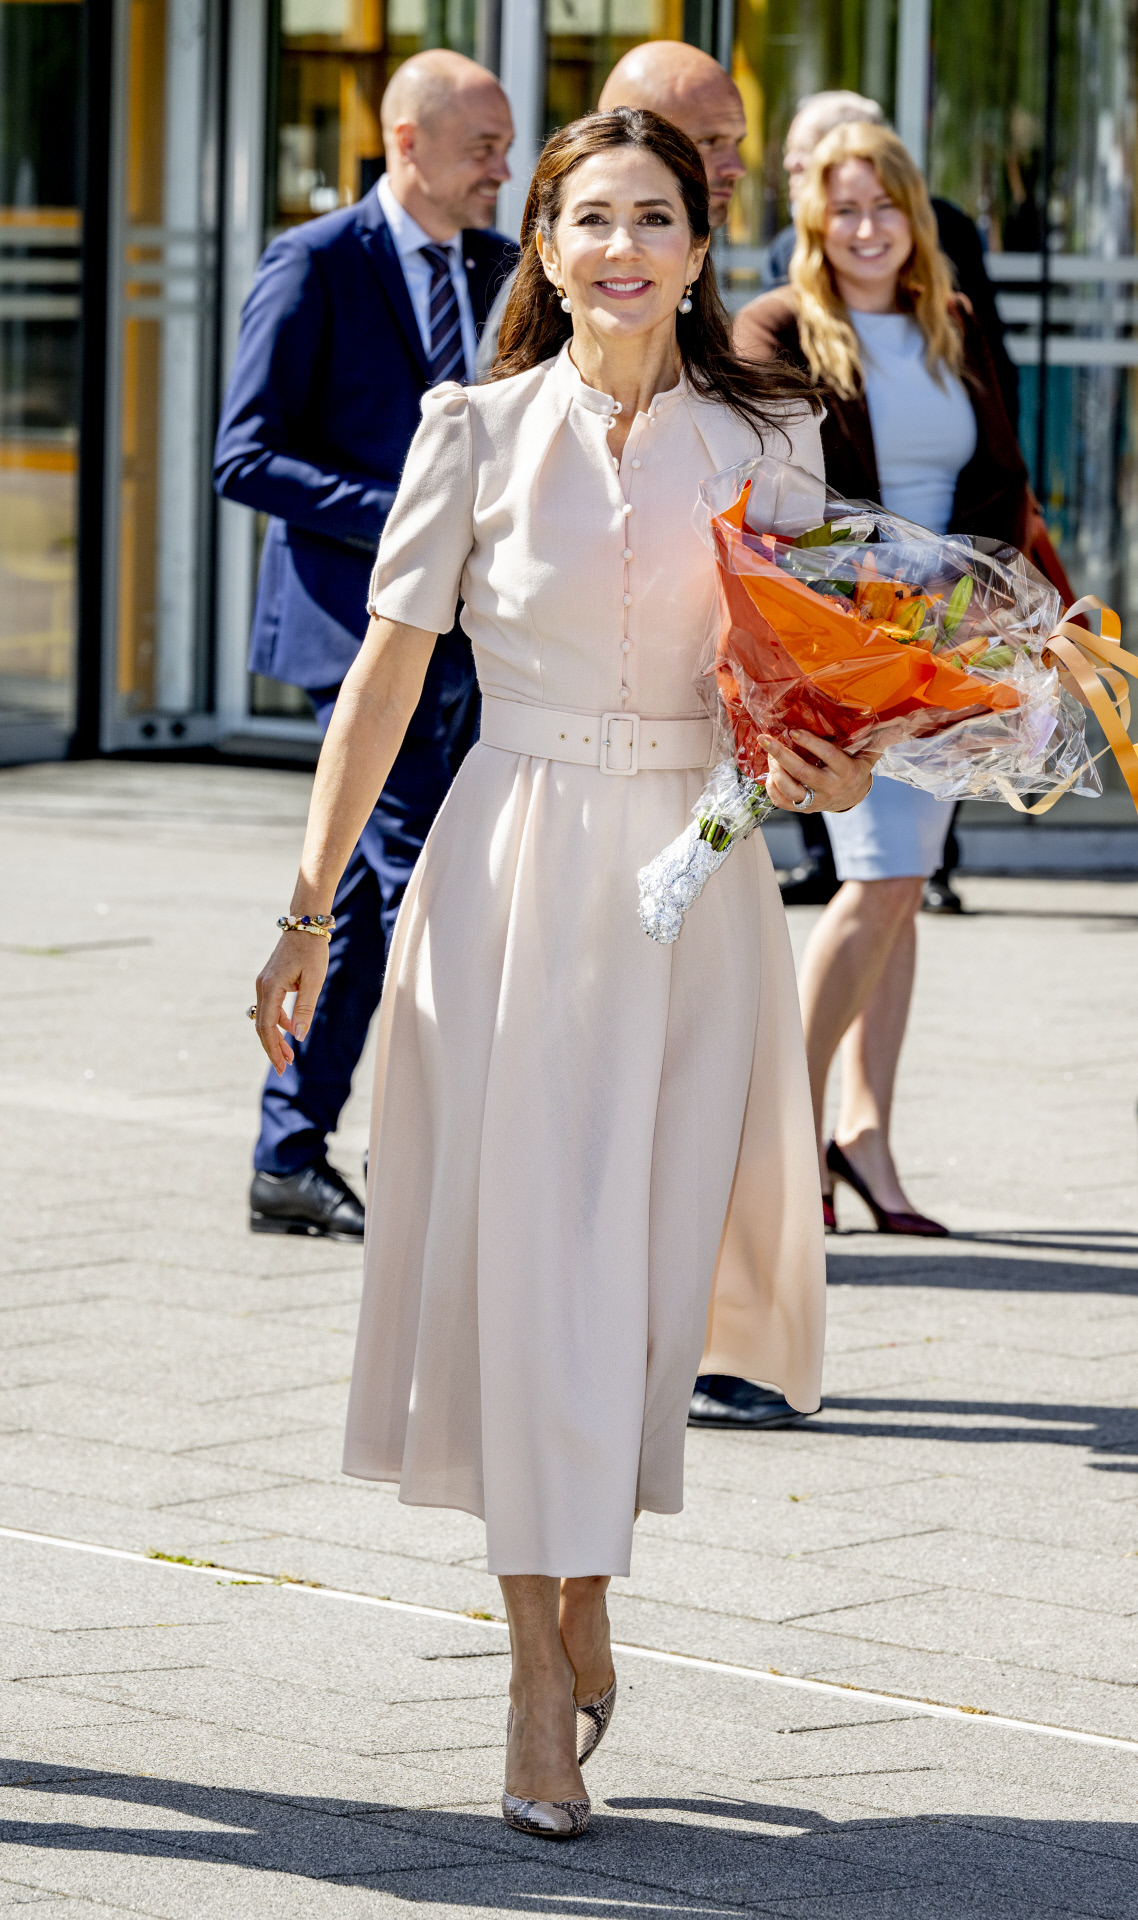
(914, 421)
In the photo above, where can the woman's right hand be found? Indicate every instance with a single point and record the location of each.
(830, 778)
(380, 693)
(297, 964)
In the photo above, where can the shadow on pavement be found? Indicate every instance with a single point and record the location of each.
(644, 1856)
(1097, 1429)
(971, 1272)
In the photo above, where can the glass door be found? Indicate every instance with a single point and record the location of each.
(328, 63)
(784, 49)
(1032, 131)
(40, 79)
(161, 374)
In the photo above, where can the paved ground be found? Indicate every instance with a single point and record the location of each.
(958, 1526)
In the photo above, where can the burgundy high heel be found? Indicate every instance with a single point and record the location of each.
(829, 1217)
(915, 1223)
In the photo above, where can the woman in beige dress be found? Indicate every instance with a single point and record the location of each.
(591, 1171)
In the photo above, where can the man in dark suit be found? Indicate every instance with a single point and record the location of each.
(350, 319)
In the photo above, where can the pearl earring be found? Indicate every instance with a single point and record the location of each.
(566, 303)
(685, 303)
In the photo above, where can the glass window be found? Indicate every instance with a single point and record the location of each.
(586, 38)
(40, 51)
(989, 94)
(333, 61)
(783, 50)
(987, 88)
(330, 61)
(163, 306)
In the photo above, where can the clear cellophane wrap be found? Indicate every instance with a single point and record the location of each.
(841, 619)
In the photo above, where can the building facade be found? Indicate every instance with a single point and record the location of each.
(150, 148)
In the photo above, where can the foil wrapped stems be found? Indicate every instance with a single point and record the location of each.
(730, 807)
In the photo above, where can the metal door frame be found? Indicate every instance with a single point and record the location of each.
(197, 726)
(242, 242)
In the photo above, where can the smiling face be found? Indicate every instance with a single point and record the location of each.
(714, 119)
(867, 237)
(622, 248)
(454, 159)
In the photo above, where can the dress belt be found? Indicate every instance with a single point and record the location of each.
(618, 744)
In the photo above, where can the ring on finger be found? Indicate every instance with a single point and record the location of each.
(806, 800)
(250, 1013)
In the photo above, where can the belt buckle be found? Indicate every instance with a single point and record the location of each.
(620, 773)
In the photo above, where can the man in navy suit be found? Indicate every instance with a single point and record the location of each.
(350, 319)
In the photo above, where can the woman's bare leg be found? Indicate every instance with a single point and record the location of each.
(870, 1052)
(585, 1636)
(541, 1756)
(846, 956)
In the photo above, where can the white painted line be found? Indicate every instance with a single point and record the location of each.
(933, 1709)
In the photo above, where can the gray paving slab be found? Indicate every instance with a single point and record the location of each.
(960, 1523)
(684, 1820)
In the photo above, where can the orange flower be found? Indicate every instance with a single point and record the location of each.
(789, 657)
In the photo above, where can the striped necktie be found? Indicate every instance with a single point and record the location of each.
(448, 357)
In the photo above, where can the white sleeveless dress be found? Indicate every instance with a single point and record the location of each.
(592, 1167)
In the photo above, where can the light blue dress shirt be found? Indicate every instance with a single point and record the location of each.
(409, 238)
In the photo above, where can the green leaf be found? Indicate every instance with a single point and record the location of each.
(826, 535)
(995, 657)
(958, 603)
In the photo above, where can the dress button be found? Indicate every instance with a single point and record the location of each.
(627, 508)
(628, 599)
(626, 646)
(636, 463)
(627, 554)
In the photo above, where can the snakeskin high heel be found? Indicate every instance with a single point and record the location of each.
(547, 1819)
(593, 1723)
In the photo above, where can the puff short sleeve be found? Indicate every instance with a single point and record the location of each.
(429, 532)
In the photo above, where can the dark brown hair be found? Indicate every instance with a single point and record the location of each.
(534, 328)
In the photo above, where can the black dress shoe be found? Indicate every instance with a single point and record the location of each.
(810, 885)
(317, 1200)
(938, 896)
(720, 1400)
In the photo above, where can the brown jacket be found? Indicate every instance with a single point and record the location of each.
(991, 491)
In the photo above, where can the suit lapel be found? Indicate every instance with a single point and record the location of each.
(375, 236)
(487, 263)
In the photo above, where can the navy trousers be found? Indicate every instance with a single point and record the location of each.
(300, 1110)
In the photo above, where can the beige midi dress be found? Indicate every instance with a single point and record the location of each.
(592, 1164)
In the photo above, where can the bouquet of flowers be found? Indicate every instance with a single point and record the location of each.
(843, 620)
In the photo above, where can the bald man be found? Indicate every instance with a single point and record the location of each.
(690, 89)
(351, 317)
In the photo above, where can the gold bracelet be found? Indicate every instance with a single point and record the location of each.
(322, 924)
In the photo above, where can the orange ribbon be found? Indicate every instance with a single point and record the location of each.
(1092, 659)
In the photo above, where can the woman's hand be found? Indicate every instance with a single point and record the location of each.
(834, 787)
(378, 697)
(297, 964)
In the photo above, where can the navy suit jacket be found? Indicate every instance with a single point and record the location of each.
(321, 408)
